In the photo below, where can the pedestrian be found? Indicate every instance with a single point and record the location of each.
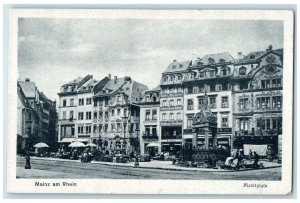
(256, 159)
(250, 154)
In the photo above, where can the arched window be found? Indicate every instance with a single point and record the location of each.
(165, 79)
(242, 70)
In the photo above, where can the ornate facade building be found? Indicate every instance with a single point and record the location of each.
(257, 98)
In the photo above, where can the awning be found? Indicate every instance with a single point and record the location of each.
(66, 140)
(82, 139)
(153, 144)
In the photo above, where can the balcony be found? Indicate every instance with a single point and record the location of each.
(171, 137)
(224, 130)
(178, 94)
(170, 108)
(187, 131)
(150, 136)
(171, 123)
(150, 121)
(259, 133)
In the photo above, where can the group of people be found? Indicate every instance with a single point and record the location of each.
(253, 156)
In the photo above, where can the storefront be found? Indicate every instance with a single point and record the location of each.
(172, 147)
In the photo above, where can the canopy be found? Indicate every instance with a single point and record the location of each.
(153, 144)
(77, 144)
(90, 144)
(41, 145)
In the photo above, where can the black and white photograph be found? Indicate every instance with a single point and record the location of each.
(176, 97)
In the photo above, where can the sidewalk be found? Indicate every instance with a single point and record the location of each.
(165, 165)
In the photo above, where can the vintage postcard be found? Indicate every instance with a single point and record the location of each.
(150, 101)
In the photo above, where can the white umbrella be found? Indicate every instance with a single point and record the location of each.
(41, 145)
(90, 144)
(77, 144)
(153, 144)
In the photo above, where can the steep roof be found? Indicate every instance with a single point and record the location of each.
(255, 55)
(155, 89)
(217, 57)
(28, 88)
(176, 66)
(75, 81)
(112, 86)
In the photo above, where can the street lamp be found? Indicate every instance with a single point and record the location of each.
(124, 119)
(26, 149)
(136, 163)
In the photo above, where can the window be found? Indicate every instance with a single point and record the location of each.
(80, 130)
(164, 103)
(171, 116)
(211, 73)
(88, 115)
(265, 103)
(195, 89)
(164, 116)
(224, 72)
(179, 116)
(200, 102)
(72, 130)
(119, 127)
(64, 115)
(95, 115)
(71, 102)
(88, 101)
(212, 102)
(94, 128)
(106, 114)
(64, 103)
(147, 114)
(243, 103)
(190, 105)
(224, 121)
(225, 102)
(81, 102)
(179, 102)
(189, 121)
(106, 128)
(113, 112)
(189, 90)
(125, 112)
(218, 88)
(118, 112)
(88, 129)
(179, 77)
(106, 101)
(100, 114)
(171, 102)
(154, 114)
(80, 116)
(244, 124)
(276, 102)
(71, 115)
(100, 127)
(242, 71)
(165, 79)
(112, 127)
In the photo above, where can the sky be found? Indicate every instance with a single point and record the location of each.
(52, 52)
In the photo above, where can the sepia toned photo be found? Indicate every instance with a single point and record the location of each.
(150, 102)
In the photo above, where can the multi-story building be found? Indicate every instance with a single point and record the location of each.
(171, 106)
(150, 121)
(257, 98)
(75, 110)
(116, 114)
(210, 74)
(37, 115)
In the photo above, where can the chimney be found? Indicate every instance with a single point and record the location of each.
(109, 76)
(240, 55)
(115, 79)
(270, 48)
(174, 61)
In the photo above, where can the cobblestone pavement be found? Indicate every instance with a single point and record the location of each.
(55, 168)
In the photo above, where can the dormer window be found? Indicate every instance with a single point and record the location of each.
(222, 61)
(165, 79)
(211, 61)
(180, 65)
(242, 71)
(252, 56)
(174, 66)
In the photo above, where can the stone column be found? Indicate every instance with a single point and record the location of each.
(206, 133)
(214, 137)
(195, 136)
